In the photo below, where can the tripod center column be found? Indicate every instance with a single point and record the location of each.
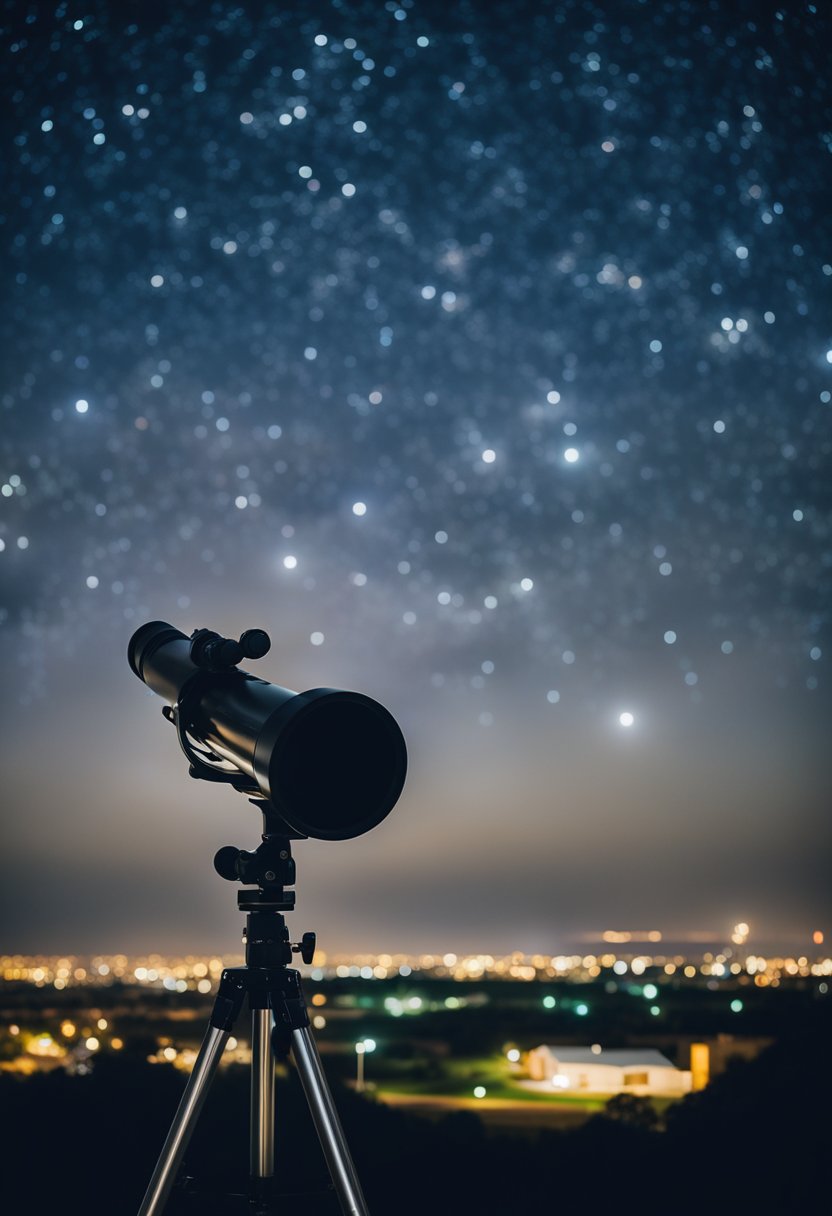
(261, 1160)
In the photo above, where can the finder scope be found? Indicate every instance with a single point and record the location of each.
(331, 763)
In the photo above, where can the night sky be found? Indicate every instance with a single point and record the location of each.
(482, 354)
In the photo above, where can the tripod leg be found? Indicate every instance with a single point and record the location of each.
(261, 1160)
(227, 1005)
(184, 1122)
(327, 1123)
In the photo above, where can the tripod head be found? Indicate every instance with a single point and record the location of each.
(272, 867)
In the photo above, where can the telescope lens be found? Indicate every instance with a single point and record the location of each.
(338, 766)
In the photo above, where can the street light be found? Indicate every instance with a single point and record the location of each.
(361, 1049)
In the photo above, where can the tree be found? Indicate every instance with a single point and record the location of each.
(632, 1111)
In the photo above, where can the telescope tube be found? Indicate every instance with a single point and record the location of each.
(331, 763)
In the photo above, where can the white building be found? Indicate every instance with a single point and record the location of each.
(636, 1070)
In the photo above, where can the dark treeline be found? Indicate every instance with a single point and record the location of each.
(754, 1141)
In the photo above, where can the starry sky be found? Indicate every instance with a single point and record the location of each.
(482, 354)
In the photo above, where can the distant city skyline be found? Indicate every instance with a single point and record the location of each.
(179, 973)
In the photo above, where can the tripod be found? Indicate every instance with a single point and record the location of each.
(273, 991)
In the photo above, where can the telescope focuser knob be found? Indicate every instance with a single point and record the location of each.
(255, 643)
(212, 652)
(225, 862)
(306, 947)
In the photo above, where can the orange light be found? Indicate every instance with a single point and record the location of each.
(700, 1065)
(817, 937)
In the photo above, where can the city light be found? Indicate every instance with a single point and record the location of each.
(362, 1048)
(641, 968)
(182, 974)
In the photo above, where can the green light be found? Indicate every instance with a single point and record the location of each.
(736, 1006)
(549, 1002)
(654, 1009)
(650, 991)
(582, 1010)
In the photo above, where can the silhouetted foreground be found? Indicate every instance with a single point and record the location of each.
(754, 1141)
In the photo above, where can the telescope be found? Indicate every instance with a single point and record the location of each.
(323, 763)
(331, 764)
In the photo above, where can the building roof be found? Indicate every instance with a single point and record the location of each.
(634, 1057)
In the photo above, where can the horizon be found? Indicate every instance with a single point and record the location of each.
(655, 950)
